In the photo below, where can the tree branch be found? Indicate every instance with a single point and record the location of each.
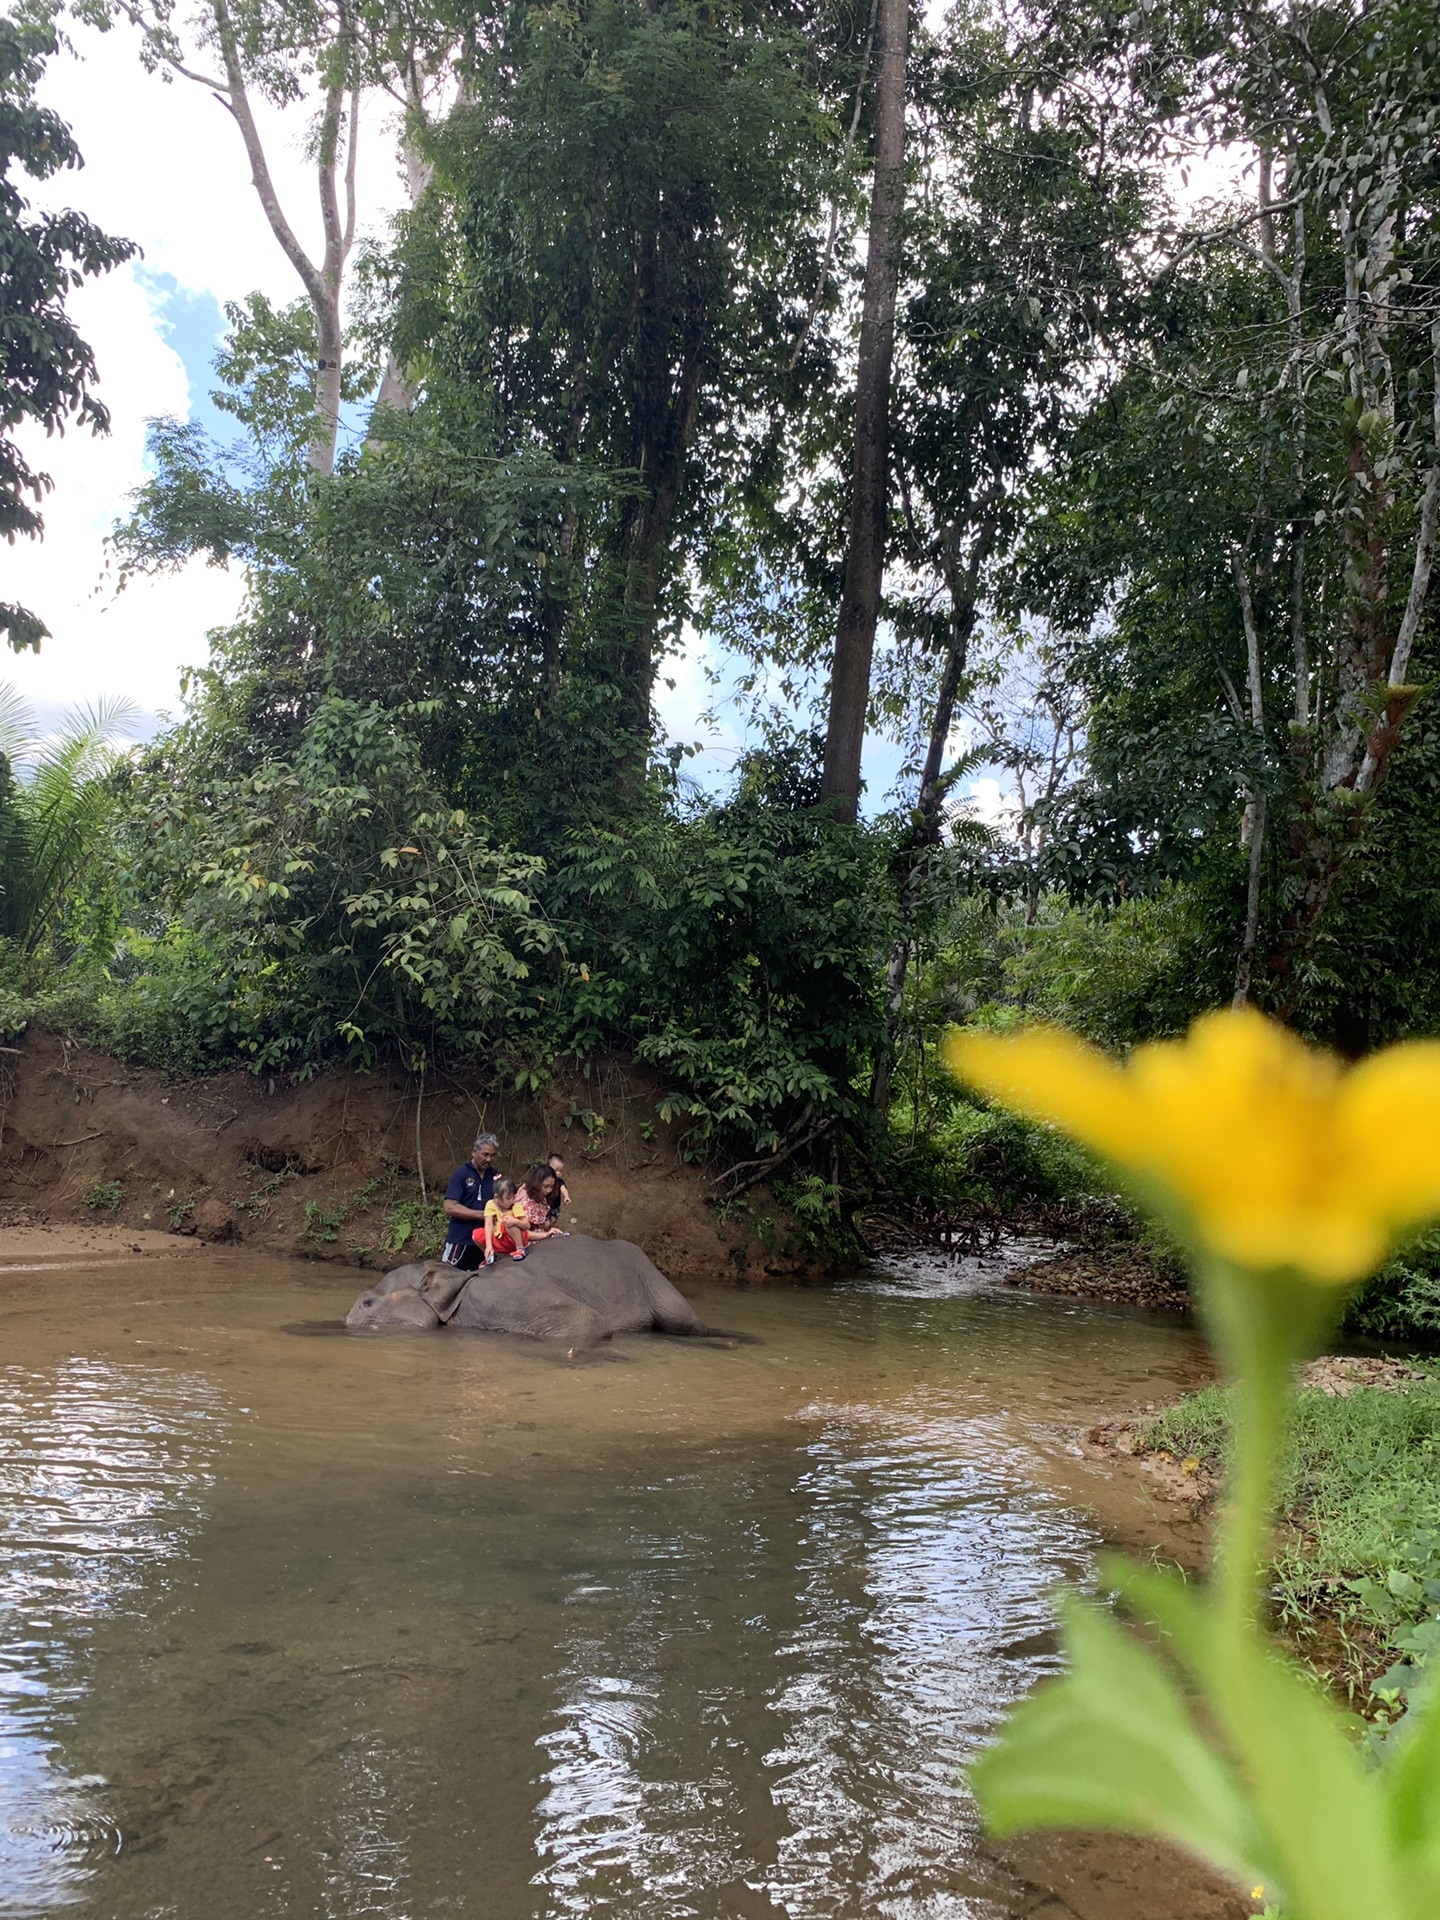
(325, 164)
(351, 159)
(1385, 735)
(160, 46)
(238, 101)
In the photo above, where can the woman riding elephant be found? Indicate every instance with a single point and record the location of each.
(538, 1193)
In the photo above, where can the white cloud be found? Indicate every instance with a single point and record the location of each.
(987, 801)
(135, 645)
(680, 708)
(164, 167)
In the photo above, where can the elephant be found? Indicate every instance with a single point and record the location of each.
(504, 1300)
(572, 1289)
(618, 1280)
(433, 1280)
(402, 1308)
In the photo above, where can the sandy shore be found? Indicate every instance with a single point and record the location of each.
(37, 1249)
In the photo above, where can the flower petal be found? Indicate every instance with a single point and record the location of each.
(1279, 1156)
(1387, 1132)
(1051, 1075)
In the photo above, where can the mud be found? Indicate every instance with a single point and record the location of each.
(348, 1166)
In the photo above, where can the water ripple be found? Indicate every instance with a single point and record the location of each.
(100, 1481)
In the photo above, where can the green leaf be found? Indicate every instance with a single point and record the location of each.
(1113, 1744)
(1320, 1812)
(1410, 1786)
(1310, 1789)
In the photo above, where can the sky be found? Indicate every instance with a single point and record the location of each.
(164, 167)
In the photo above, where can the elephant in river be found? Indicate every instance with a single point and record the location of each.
(573, 1289)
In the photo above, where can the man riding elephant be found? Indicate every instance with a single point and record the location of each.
(470, 1186)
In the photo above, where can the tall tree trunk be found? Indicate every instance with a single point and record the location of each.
(1256, 807)
(865, 554)
(1245, 966)
(670, 342)
(397, 391)
(924, 834)
(1323, 838)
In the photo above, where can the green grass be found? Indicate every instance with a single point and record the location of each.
(1358, 1550)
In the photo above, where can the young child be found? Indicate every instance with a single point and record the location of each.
(504, 1230)
(560, 1193)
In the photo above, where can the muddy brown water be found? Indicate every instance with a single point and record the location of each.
(294, 1623)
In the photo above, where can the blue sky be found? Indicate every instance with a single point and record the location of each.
(191, 322)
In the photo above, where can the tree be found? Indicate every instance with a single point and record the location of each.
(335, 52)
(1025, 258)
(608, 267)
(46, 370)
(1250, 516)
(276, 54)
(870, 472)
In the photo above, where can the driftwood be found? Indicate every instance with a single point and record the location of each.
(960, 1232)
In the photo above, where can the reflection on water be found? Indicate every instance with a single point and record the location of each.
(365, 1628)
(102, 1470)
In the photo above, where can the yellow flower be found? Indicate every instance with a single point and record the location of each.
(1279, 1154)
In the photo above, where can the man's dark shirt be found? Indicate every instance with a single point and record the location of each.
(471, 1189)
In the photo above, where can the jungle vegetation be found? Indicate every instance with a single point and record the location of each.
(1049, 392)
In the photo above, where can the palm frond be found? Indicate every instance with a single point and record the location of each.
(17, 724)
(62, 804)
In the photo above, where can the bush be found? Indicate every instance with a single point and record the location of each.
(740, 951)
(1402, 1303)
(1119, 975)
(322, 902)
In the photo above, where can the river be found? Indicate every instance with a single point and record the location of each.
(316, 1626)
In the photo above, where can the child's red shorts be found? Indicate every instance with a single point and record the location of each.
(501, 1240)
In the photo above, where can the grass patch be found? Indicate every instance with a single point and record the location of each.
(1357, 1561)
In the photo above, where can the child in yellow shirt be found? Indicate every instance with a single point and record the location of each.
(504, 1230)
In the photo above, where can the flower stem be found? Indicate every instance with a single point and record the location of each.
(1243, 1537)
(1262, 1324)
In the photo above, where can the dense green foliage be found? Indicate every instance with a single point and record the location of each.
(47, 372)
(55, 821)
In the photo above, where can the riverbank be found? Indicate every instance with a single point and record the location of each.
(351, 1166)
(1116, 1273)
(1355, 1577)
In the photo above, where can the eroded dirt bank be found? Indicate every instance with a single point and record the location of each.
(332, 1168)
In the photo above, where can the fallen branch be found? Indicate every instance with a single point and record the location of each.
(756, 1170)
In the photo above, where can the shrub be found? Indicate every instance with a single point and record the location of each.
(1402, 1303)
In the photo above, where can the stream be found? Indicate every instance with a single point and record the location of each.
(301, 1624)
